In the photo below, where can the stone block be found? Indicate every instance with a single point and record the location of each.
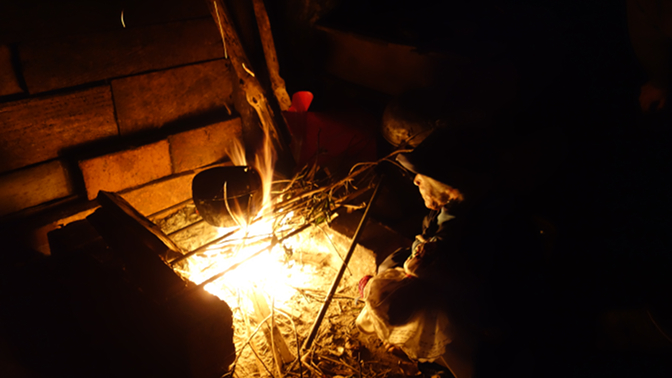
(33, 186)
(126, 169)
(161, 194)
(180, 94)
(197, 148)
(37, 129)
(62, 62)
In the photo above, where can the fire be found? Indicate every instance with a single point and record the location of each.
(275, 270)
(252, 256)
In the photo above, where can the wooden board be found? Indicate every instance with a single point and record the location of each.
(37, 129)
(385, 67)
(141, 243)
(68, 61)
(28, 20)
(125, 169)
(177, 95)
(9, 84)
(197, 148)
(32, 186)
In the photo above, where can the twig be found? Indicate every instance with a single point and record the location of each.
(296, 334)
(339, 362)
(247, 342)
(314, 369)
(275, 356)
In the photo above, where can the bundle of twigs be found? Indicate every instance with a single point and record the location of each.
(309, 198)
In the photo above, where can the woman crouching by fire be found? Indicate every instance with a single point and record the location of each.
(460, 296)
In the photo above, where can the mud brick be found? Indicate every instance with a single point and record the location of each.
(9, 84)
(35, 130)
(126, 169)
(155, 99)
(203, 146)
(160, 194)
(68, 61)
(32, 186)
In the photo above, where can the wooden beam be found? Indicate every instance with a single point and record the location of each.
(248, 84)
(142, 245)
(277, 83)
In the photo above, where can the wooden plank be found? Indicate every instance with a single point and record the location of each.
(35, 130)
(9, 84)
(58, 63)
(385, 67)
(172, 96)
(141, 244)
(206, 145)
(160, 194)
(125, 169)
(29, 20)
(32, 186)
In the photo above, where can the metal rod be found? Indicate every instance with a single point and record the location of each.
(202, 248)
(187, 227)
(169, 209)
(339, 276)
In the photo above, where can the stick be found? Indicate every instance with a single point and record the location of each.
(313, 332)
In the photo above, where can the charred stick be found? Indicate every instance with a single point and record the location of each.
(313, 332)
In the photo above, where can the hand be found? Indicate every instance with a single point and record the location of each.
(652, 98)
(422, 256)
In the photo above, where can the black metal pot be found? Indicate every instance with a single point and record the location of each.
(227, 196)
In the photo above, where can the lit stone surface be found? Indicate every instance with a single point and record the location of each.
(197, 148)
(126, 169)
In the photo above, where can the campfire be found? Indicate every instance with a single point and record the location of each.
(275, 268)
(275, 261)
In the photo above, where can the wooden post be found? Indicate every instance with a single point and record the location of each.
(247, 81)
(271, 56)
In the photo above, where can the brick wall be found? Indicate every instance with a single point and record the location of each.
(87, 104)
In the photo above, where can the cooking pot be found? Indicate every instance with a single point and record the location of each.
(227, 196)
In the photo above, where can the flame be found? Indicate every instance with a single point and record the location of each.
(273, 270)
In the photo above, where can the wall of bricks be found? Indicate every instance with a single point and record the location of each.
(89, 104)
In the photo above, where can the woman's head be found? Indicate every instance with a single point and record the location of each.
(436, 194)
(452, 163)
